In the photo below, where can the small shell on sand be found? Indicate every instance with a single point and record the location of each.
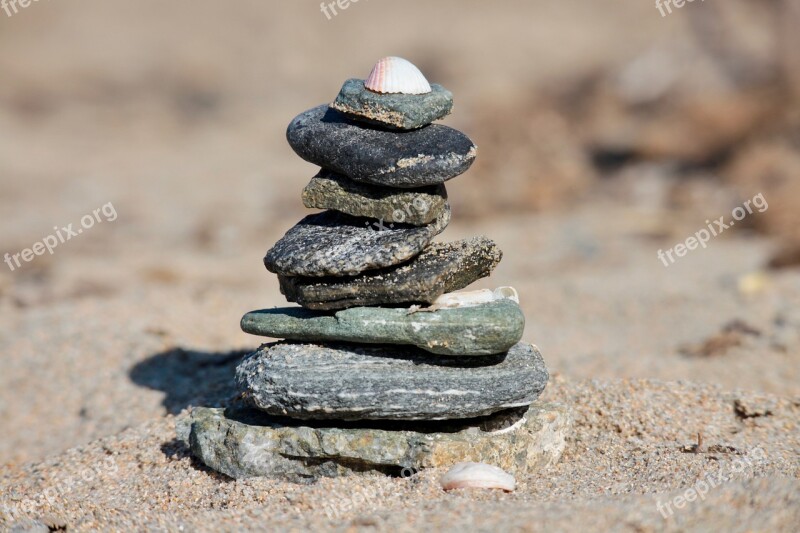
(477, 476)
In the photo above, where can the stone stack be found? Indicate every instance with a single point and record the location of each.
(383, 368)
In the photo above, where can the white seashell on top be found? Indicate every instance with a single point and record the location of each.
(396, 75)
(477, 476)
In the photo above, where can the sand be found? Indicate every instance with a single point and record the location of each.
(178, 121)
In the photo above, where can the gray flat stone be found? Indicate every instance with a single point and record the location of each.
(403, 206)
(486, 329)
(242, 443)
(335, 244)
(440, 268)
(384, 382)
(427, 156)
(393, 111)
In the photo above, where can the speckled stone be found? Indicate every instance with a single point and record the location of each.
(383, 382)
(440, 268)
(243, 443)
(403, 206)
(336, 244)
(427, 156)
(393, 111)
(485, 329)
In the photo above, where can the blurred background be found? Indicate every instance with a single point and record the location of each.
(606, 132)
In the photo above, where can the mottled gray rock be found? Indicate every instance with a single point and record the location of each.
(393, 111)
(384, 382)
(335, 244)
(242, 443)
(440, 268)
(427, 156)
(485, 329)
(403, 206)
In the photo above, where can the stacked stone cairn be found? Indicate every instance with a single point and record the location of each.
(383, 368)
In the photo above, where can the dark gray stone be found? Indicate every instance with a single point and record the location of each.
(357, 382)
(485, 329)
(244, 443)
(403, 206)
(335, 244)
(393, 111)
(427, 156)
(440, 268)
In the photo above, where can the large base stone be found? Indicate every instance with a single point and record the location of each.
(241, 443)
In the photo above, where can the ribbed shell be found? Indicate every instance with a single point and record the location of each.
(396, 75)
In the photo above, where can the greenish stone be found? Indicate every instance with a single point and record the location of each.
(480, 330)
(328, 190)
(243, 443)
(393, 111)
(353, 381)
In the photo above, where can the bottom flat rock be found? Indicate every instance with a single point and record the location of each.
(241, 442)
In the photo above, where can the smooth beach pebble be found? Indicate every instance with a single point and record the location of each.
(477, 476)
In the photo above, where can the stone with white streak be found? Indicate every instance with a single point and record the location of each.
(384, 382)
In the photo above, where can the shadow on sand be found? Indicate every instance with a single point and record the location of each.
(190, 377)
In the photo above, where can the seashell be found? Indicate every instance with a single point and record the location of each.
(472, 298)
(477, 476)
(396, 75)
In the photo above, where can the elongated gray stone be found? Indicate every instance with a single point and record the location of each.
(438, 269)
(335, 244)
(244, 443)
(427, 156)
(403, 206)
(368, 382)
(393, 111)
(486, 329)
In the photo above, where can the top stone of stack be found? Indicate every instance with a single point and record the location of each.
(378, 131)
(395, 95)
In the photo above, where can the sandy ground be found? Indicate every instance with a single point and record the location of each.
(176, 115)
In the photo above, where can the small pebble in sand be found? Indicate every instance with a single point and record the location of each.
(477, 476)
